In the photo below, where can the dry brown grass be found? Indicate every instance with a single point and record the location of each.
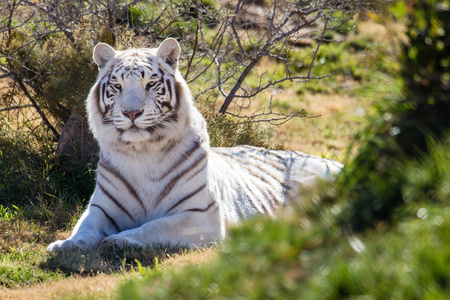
(380, 30)
(197, 257)
(101, 285)
(25, 113)
(328, 135)
(94, 287)
(22, 236)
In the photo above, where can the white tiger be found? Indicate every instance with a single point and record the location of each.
(159, 181)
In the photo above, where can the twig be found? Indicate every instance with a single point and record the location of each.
(15, 107)
(237, 86)
(36, 106)
(195, 41)
(275, 118)
(318, 46)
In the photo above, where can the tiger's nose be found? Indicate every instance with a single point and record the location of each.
(133, 114)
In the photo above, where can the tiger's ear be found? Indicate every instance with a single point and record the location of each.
(103, 53)
(169, 51)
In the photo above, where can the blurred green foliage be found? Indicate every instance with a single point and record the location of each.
(406, 126)
(425, 74)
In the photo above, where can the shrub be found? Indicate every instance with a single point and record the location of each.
(404, 127)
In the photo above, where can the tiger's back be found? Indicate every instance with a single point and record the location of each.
(260, 180)
(159, 181)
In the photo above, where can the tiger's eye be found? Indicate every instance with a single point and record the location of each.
(118, 86)
(149, 85)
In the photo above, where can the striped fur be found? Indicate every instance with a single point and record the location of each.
(158, 179)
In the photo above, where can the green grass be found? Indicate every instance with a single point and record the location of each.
(21, 250)
(18, 270)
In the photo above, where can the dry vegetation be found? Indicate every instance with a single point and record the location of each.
(103, 284)
(92, 287)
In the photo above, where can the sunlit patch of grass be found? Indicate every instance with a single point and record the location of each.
(329, 134)
(21, 248)
(23, 271)
(100, 286)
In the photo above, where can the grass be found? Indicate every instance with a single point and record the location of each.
(21, 250)
(96, 273)
(268, 259)
(262, 258)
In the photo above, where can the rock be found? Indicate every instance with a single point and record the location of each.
(76, 144)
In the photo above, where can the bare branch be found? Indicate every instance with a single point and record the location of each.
(276, 82)
(15, 107)
(37, 108)
(237, 86)
(195, 40)
(318, 46)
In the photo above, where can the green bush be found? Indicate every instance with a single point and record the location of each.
(425, 75)
(405, 126)
(228, 132)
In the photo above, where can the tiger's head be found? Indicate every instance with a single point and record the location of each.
(139, 94)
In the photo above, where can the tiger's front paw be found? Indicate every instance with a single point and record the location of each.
(118, 241)
(68, 245)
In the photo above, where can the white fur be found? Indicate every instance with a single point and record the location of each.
(166, 185)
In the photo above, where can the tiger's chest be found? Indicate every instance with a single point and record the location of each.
(153, 186)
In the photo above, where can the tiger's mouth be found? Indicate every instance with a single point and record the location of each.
(135, 126)
(135, 135)
(138, 131)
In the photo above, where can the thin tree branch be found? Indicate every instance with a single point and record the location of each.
(237, 86)
(37, 108)
(195, 40)
(15, 107)
(318, 46)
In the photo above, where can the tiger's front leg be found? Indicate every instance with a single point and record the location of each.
(188, 228)
(90, 228)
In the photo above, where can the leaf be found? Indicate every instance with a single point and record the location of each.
(142, 271)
